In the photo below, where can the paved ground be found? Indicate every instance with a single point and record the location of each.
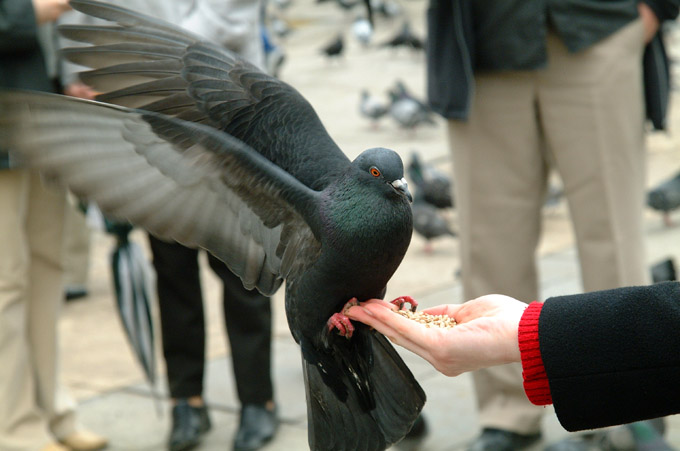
(98, 365)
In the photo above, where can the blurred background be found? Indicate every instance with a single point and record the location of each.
(102, 372)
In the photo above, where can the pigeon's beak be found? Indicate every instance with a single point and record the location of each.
(402, 186)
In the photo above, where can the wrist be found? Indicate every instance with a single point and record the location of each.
(513, 352)
(536, 384)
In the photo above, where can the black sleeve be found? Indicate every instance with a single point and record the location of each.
(663, 9)
(613, 357)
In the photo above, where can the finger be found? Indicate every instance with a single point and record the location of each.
(367, 315)
(444, 309)
(380, 302)
(377, 316)
(399, 330)
(359, 313)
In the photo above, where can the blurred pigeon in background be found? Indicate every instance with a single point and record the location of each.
(665, 197)
(428, 222)
(203, 148)
(334, 48)
(279, 27)
(388, 9)
(664, 271)
(347, 4)
(553, 195)
(371, 107)
(400, 91)
(408, 114)
(431, 185)
(405, 38)
(408, 111)
(362, 30)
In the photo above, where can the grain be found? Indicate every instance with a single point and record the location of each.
(443, 321)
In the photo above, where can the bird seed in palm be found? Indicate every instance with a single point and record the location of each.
(443, 321)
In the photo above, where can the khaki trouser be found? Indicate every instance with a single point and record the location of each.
(33, 408)
(586, 111)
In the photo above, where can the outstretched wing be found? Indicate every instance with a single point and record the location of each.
(142, 62)
(178, 180)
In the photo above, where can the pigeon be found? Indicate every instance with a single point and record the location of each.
(362, 30)
(279, 27)
(400, 91)
(386, 8)
(335, 48)
(194, 144)
(347, 5)
(432, 185)
(408, 114)
(405, 38)
(553, 196)
(665, 197)
(406, 110)
(371, 107)
(664, 271)
(429, 223)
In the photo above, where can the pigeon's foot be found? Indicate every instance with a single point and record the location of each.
(341, 322)
(402, 300)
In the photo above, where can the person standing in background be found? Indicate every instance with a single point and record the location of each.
(36, 412)
(234, 24)
(522, 84)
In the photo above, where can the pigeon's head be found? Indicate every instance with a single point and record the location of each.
(383, 166)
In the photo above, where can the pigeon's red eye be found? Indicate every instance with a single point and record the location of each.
(375, 172)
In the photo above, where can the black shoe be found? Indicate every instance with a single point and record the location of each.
(75, 293)
(188, 424)
(500, 440)
(258, 426)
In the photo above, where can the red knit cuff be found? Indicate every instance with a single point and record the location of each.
(536, 384)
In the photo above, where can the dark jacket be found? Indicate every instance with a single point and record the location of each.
(22, 64)
(622, 361)
(465, 36)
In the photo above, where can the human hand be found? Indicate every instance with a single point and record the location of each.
(485, 334)
(649, 21)
(80, 90)
(49, 10)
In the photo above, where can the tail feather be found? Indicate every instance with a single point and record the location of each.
(334, 425)
(399, 398)
(349, 425)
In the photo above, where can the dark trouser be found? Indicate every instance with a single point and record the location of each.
(247, 317)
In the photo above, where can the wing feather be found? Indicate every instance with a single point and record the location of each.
(133, 58)
(211, 191)
(124, 75)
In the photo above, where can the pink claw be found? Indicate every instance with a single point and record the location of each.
(341, 322)
(401, 300)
